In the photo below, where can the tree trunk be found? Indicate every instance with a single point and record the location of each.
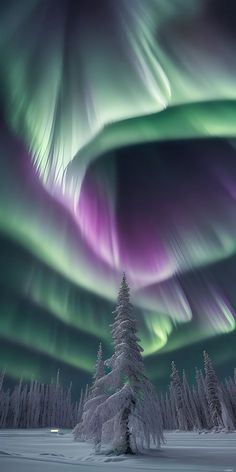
(125, 421)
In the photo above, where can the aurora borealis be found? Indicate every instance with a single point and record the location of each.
(118, 153)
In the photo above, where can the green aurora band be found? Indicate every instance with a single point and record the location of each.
(82, 92)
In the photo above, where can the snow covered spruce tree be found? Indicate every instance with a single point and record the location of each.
(201, 399)
(127, 412)
(191, 410)
(93, 397)
(213, 392)
(177, 389)
(98, 372)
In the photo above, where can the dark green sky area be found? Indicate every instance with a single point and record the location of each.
(117, 153)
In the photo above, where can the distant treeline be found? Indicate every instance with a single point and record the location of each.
(38, 405)
(208, 404)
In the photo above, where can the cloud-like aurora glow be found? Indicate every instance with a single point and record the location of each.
(117, 153)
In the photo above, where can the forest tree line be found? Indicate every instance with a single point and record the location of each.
(206, 405)
(39, 405)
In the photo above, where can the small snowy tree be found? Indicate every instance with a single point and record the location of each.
(212, 391)
(92, 399)
(177, 389)
(129, 414)
(190, 406)
(172, 408)
(98, 373)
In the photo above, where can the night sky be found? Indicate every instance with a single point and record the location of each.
(117, 153)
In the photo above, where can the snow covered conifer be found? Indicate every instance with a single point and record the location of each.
(130, 416)
(79, 411)
(231, 388)
(202, 400)
(98, 372)
(91, 400)
(172, 408)
(178, 395)
(193, 420)
(212, 391)
(227, 410)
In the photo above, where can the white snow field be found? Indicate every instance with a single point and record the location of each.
(42, 451)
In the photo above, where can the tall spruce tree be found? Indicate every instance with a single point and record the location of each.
(129, 414)
(193, 421)
(177, 389)
(202, 400)
(212, 391)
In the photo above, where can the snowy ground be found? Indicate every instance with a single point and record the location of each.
(42, 451)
